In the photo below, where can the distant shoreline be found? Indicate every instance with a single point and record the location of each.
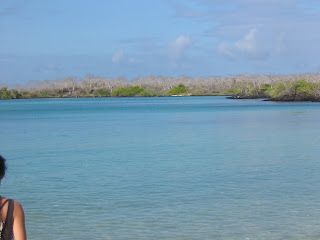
(68, 97)
(228, 96)
(297, 88)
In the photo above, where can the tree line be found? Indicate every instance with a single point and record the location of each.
(295, 87)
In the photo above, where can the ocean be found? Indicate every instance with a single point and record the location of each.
(163, 168)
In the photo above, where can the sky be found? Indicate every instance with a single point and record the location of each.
(44, 39)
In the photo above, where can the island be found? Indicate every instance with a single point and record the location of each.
(296, 87)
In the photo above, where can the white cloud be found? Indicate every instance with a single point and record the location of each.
(117, 56)
(178, 46)
(226, 50)
(265, 29)
(249, 46)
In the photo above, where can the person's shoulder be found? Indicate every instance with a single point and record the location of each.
(3, 199)
(17, 209)
(19, 229)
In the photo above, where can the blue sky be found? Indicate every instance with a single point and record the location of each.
(42, 39)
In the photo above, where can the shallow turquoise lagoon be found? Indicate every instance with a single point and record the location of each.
(163, 168)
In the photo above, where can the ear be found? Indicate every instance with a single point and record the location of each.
(1, 176)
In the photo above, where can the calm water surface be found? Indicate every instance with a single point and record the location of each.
(163, 168)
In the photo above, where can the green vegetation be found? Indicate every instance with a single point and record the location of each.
(249, 90)
(208, 94)
(178, 90)
(234, 91)
(300, 90)
(135, 91)
(9, 94)
(274, 87)
(101, 93)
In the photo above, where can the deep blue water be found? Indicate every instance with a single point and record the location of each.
(163, 168)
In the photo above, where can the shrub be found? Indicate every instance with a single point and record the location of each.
(5, 93)
(9, 94)
(134, 91)
(304, 87)
(177, 90)
(146, 93)
(101, 93)
(299, 90)
(119, 92)
(234, 91)
(127, 92)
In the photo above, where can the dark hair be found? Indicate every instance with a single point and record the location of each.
(3, 167)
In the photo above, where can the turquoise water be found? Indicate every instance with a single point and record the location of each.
(163, 168)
